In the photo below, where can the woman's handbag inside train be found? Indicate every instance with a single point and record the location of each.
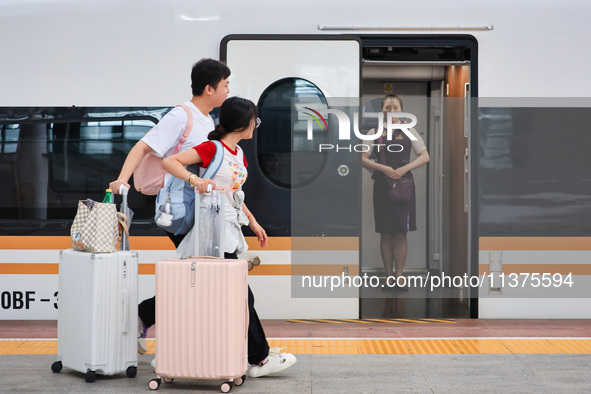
(399, 190)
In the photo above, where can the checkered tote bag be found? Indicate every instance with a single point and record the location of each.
(95, 227)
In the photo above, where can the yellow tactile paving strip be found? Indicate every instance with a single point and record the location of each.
(388, 321)
(481, 346)
(368, 346)
(26, 346)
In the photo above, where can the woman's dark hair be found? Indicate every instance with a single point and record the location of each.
(236, 113)
(207, 72)
(391, 96)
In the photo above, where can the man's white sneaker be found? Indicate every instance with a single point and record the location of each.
(142, 331)
(275, 362)
(153, 363)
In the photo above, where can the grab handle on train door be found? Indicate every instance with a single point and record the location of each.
(466, 180)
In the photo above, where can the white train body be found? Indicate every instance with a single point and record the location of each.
(131, 53)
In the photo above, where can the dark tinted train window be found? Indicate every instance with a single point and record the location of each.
(534, 172)
(9, 138)
(282, 139)
(87, 156)
(51, 157)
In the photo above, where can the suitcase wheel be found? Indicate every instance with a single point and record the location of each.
(90, 376)
(168, 380)
(56, 366)
(131, 372)
(154, 384)
(239, 381)
(226, 387)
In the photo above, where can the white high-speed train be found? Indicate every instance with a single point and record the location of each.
(507, 189)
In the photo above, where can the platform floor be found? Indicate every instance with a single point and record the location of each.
(423, 356)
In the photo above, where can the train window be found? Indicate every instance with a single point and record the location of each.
(52, 157)
(282, 139)
(9, 138)
(85, 156)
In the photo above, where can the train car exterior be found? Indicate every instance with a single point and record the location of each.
(82, 81)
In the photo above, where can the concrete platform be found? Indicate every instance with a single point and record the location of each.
(466, 373)
(419, 356)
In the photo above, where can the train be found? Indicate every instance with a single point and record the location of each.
(498, 90)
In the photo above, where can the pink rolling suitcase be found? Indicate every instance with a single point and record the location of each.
(201, 318)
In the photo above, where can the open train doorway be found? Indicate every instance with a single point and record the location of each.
(434, 79)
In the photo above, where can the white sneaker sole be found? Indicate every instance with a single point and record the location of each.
(277, 368)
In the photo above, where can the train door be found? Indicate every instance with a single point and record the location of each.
(434, 77)
(288, 175)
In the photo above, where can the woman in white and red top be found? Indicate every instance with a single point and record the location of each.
(232, 174)
(238, 120)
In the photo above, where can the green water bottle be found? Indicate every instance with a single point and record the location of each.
(109, 197)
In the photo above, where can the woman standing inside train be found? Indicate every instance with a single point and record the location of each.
(394, 219)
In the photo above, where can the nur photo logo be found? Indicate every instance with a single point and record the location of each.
(316, 119)
(319, 118)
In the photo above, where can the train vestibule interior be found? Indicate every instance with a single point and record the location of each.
(437, 92)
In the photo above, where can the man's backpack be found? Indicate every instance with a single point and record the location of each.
(148, 178)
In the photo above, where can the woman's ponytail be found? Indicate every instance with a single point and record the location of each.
(217, 133)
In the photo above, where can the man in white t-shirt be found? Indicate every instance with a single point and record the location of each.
(209, 83)
(210, 88)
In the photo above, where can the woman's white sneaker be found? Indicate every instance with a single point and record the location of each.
(275, 362)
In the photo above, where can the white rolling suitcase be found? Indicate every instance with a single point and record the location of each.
(98, 312)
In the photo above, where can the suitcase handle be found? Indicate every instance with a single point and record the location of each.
(124, 234)
(221, 189)
(125, 312)
(205, 257)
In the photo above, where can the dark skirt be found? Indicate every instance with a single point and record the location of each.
(392, 217)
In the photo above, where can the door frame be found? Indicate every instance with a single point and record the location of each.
(451, 40)
(413, 40)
